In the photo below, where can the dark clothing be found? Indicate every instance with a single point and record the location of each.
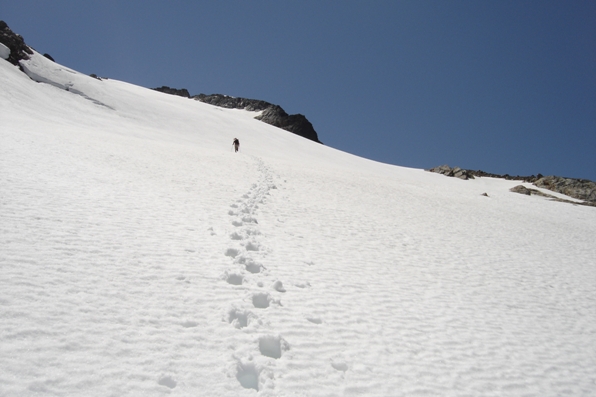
(236, 144)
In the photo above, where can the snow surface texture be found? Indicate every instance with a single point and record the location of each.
(141, 256)
(4, 51)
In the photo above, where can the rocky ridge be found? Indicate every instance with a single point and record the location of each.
(581, 189)
(271, 114)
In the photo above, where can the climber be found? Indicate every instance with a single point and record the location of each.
(236, 144)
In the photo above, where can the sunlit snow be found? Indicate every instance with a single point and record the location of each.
(141, 256)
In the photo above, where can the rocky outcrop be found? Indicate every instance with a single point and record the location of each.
(271, 114)
(581, 189)
(183, 92)
(471, 174)
(455, 172)
(15, 43)
(230, 102)
(534, 192)
(296, 123)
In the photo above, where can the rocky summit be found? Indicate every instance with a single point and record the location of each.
(271, 114)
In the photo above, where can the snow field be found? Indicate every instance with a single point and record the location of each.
(140, 256)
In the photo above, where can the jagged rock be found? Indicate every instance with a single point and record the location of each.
(230, 102)
(455, 172)
(296, 123)
(531, 178)
(15, 43)
(271, 114)
(581, 189)
(471, 174)
(524, 190)
(183, 92)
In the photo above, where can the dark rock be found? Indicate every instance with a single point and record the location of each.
(524, 190)
(18, 49)
(183, 92)
(455, 172)
(49, 57)
(581, 189)
(296, 123)
(271, 114)
(230, 102)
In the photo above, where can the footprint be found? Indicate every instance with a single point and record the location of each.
(189, 324)
(240, 318)
(236, 236)
(250, 246)
(254, 267)
(261, 300)
(234, 279)
(248, 376)
(278, 286)
(315, 320)
(232, 252)
(248, 219)
(272, 346)
(237, 223)
(167, 381)
(339, 365)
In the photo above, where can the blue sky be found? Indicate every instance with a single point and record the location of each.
(502, 86)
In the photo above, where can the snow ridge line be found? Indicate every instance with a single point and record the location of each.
(254, 370)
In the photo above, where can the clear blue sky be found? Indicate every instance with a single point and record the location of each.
(502, 86)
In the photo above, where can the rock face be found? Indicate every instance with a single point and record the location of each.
(529, 192)
(471, 174)
(455, 172)
(271, 114)
(296, 123)
(230, 102)
(183, 92)
(581, 189)
(18, 49)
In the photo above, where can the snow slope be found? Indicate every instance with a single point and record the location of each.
(140, 256)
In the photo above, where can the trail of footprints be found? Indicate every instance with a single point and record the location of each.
(264, 290)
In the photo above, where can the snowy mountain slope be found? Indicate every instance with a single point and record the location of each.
(140, 256)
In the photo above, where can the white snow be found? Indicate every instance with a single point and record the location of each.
(4, 51)
(140, 256)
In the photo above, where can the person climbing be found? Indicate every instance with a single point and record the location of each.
(236, 144)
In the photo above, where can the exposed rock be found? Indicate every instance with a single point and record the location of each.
(230, 102)
(529, 192)
(530, 178)
(49, 57)
(296, 123)
(455, 172)
(18, 49)
(183, 92)
(581, 189)
(470, 174)
(271, 114)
